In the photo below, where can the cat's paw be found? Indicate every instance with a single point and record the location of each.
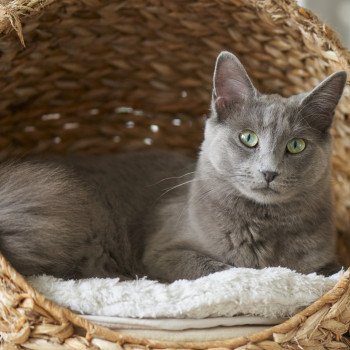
(329, 269)
(218, 266)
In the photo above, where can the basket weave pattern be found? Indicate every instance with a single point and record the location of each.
(101, 76)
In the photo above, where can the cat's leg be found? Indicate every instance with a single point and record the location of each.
(176, 263)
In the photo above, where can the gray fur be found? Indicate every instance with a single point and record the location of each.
(165, 216)
(79, 217)
(230, 217)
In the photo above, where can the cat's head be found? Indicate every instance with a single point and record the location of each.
(269, 147)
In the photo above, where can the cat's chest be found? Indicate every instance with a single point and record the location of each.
(252, 239)
(248, 235)
(250, 243)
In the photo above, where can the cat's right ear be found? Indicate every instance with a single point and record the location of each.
(232, 86)
(319, 105)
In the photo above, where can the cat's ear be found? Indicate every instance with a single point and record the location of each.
(319, 105)
(232, 85)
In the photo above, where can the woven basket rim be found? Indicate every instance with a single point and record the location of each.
(12, 13)
(92, 330)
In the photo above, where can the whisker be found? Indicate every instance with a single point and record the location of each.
(201, 197)
(179, 185)
(171, 178)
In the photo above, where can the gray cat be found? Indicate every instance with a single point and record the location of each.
(259, 195)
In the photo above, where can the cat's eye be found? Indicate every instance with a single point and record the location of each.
(248, 138)
(296, 145)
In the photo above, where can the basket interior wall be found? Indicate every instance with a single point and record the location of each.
(85, 60)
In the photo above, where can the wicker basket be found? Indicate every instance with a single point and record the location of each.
(100, 76)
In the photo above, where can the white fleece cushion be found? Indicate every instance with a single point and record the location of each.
(270, 292)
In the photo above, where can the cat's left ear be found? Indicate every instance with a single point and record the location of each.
(319, 105)
(232, 85)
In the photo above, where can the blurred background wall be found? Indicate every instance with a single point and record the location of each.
(336, 13)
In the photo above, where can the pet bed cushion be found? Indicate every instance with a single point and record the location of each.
(211, 306)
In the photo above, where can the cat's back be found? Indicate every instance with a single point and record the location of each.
(133, 176)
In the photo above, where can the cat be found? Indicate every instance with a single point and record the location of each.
(259, 195)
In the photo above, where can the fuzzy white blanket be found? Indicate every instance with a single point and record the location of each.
(271, 292)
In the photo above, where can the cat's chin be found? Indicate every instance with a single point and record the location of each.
(264, 195)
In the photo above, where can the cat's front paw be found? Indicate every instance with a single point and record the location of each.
(329, 269)
(218, 266)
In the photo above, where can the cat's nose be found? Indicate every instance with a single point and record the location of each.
(269, 175)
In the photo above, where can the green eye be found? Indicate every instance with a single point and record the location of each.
(296, 146)
(248, 138)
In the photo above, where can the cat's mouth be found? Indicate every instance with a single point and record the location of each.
(265, 190)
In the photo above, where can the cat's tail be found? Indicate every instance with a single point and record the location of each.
(38, 215)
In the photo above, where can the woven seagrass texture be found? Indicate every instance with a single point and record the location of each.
(100, 76)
